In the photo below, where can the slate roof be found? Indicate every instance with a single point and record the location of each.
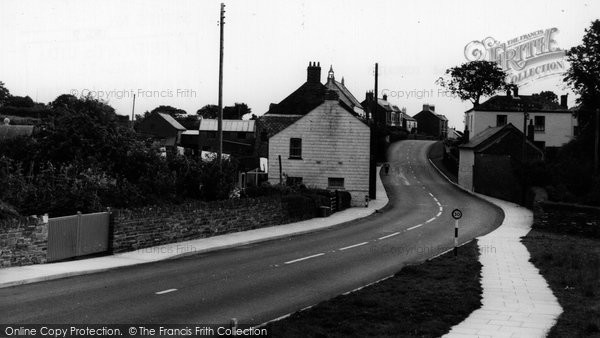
(274, 123)
(12, 131)
(228, 125)
(172, 121)
(344, 94)
(304, 99)
(534, 103)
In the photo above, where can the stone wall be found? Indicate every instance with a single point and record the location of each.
(146, 227)
(23, 241)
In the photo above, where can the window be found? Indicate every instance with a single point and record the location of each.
(335, 183)
(295, 148)
(500, 120)
(241, 135)
(540, 123)
(212, 134)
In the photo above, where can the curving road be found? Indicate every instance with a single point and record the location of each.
(257, 283)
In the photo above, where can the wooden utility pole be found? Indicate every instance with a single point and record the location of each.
(220, 123)
(597, 141)
(133, 111)
(372, 147)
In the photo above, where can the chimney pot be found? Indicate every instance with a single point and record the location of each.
(563, 101)
(384, 97)
(313, 73)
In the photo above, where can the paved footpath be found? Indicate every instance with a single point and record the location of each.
(517, 301)
(41, 272)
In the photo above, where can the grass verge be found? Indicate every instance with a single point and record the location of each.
(565, 247)
(423, 300)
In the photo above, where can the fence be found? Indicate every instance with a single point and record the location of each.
(77, 235)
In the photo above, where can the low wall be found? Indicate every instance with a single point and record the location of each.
(146, 227)
(23, 241)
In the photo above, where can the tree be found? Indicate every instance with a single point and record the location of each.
(175, 112)
(236, 112)
(4, 93)
(210, 111)
(584, 74)
(472, 80)
(548, 95)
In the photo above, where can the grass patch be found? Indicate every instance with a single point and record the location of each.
(565, 247)
(423, 300)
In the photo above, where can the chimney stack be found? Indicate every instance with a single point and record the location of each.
(313, 72)
(563, 101)
(384, 97)
(426, 107)
(515, 90)
(369, 96)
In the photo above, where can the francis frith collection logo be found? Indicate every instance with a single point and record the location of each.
(525, 58)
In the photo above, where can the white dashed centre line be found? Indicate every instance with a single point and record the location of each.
(390, 235)
(430, 220)
(165, 291)
(416, 226)
(304, 258)
(353, 246)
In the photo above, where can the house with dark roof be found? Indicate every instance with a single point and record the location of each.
(431, 123)
(300, 102)
(327, 147)
(489, 162)
(162, 127)
(553, 123)
(385, 113)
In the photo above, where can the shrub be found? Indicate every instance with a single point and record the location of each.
(344, 199)
(299, 206)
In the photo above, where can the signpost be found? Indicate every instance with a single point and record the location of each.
(456, 214)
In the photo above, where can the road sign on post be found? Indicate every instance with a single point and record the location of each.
(456, 214)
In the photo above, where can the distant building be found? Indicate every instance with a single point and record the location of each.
(490, 161)
(162, 127)
(8, 131)
(328, 148)
(554, 124)
(386, 113)
(431, 123)
(408, 122)
(238, 136)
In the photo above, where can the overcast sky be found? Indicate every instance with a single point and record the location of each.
(167, 52)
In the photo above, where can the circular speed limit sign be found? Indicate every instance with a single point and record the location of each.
(456, 214)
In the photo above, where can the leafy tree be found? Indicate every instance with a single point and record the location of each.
(175, 112)
(210, 111)
(19, 101)
(584, 73)
(4, 93)
(548, 95)
(472, 80)
(236, 112)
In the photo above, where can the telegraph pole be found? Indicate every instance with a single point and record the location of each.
(597, 140)
(133, 111)
(220, 123)
(372, 147)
